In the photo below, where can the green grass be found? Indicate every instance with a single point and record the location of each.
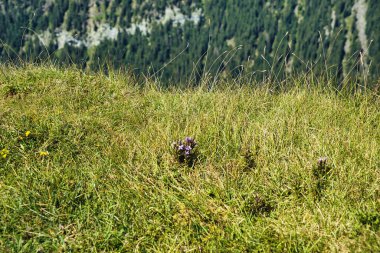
(111, 183)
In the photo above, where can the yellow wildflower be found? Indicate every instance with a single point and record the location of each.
(43, 153)
(27, 133)
(4, 153)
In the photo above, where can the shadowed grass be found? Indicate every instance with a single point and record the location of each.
(97, 173)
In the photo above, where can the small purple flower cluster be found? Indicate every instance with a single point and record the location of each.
(185, 149)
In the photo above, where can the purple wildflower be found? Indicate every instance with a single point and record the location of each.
(185, 150)
(190, 142)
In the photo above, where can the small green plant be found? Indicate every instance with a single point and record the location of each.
(320, 173)
(257, 205)
(250, 160)
(16, 89)
(370, 218)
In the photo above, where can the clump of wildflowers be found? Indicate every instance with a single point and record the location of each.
(4, 153)
(26, 135)
(321, 172)
(322, 168)
(185, 150)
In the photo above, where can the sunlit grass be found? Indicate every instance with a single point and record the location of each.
(87, 165)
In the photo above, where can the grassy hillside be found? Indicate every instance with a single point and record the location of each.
(87, 165)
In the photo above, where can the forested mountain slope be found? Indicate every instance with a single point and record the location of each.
(278, 36)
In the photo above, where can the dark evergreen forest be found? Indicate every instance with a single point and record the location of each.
(337, 38)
